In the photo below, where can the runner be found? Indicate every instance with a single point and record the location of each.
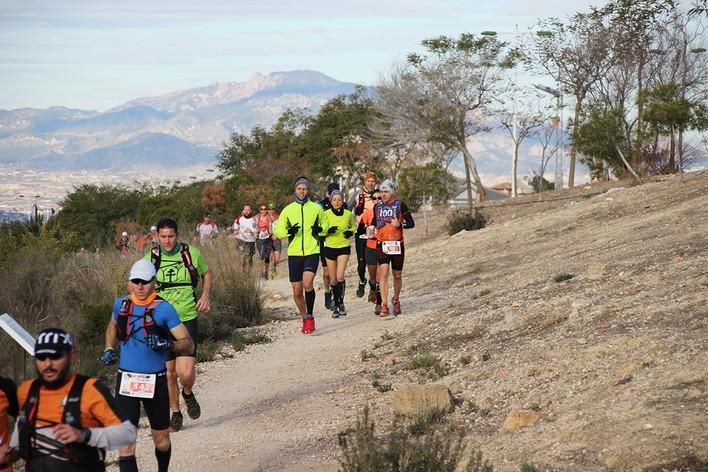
(142, 323)
(66, 420)
(367, 230)
(363, 202)
(179, 268)
(326, 282)
(245, 230)
(277, 245)
(391, 217)
(264, 241)
(123, 244)
(8, 407)
(338, 248)
(303, 222)
(207, 230)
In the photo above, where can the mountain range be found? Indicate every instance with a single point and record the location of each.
(183, 127)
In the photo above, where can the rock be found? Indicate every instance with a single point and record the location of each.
(389, 361)
(412, 400)
(622, 373)
(518, 419)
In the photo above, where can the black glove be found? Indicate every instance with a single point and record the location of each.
(158, 343)
(348, 233)
(332, 230)
(109, 356)
(316, 230)
(292, 231)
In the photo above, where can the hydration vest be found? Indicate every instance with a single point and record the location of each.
(156, 257)
(383, 212)
(82, 454)
(125, 328)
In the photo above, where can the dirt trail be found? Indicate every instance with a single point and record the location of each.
(271, 407)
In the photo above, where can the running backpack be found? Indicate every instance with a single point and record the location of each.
(156, 257)
(125, 328)
(71, 415)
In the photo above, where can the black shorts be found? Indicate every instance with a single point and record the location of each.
(395, 260)
(322, 253)
(372, 258)
(333, 252)
(157, 408)
(277, 245)
(193, 330)
(265, 248)
(298, 265)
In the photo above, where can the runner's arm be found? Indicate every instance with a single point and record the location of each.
(183, 342)
(116, 431)
(408, 222)
(111, 333)
(204, 302)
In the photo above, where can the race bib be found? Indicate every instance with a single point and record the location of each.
(137, 385)
(391, 247)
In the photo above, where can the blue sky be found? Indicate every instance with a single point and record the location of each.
(99, 54)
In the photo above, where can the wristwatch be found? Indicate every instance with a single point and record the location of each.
(87, 435)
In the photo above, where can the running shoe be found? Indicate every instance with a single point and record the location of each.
(384, 310)
(342, 310)
(377, 310)
(309, 325)
(335, 312)
(372, 296)
(328, 301)
(396, 305)
(193, 409)
(360, 289)
(274, 274)
(176, 421)
(303, 330)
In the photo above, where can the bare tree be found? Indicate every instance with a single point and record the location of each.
(442, 96)
(550, 145)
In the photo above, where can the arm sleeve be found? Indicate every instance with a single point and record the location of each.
(408, 222)
(116, 431)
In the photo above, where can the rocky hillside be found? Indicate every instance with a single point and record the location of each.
(572, 330)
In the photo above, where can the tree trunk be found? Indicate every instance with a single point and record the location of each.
(514, 169)
(672, 151)
(573, 150)
(468, 181)
(469, 160)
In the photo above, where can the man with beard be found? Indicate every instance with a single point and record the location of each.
(66, 420)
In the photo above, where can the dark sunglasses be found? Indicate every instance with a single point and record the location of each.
(140, 281)
(377, 198)
(263, 209)
(54, 357)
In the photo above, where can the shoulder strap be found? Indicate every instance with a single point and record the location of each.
(72, 408)
(187, 261)
(123, 321)
(28, 419)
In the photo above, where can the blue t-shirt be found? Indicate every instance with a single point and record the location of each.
(135, 355)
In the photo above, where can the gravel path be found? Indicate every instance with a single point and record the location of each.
(276, 406)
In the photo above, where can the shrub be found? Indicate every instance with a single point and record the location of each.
(562, 277)
(464, 220)
(401, 451)
(240, 339)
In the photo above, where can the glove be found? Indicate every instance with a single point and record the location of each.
(292, 231)
(109, 356)
(331, 230)
(158, 343)
(348, 233)
(316, 230)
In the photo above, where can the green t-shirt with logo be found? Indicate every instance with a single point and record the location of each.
(172, 271)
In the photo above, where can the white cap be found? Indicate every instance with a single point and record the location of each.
(143, 270)
(153, 228)
(124, 233)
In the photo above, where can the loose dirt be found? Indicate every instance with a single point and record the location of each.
(587, 307)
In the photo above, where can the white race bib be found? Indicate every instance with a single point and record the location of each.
(392, 248)
(137, 385)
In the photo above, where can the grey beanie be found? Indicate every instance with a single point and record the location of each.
(303, 180)
(388, 185)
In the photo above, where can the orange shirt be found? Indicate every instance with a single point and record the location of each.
(8, 407)
(368, 219)
(98, 407)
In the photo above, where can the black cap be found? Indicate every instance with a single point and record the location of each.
(52, 341)
(332, 186)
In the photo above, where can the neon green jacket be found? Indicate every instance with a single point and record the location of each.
(307, 215)
(343, 223)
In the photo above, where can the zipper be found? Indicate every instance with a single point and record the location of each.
(302, 218)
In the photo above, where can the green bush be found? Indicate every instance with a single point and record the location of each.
(464, 220)
(400, 451)
(240, 339)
